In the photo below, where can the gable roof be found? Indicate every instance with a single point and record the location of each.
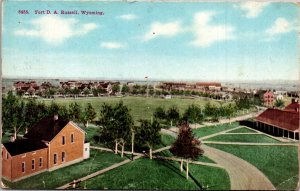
(280, 118)
(293, 107)
(46, 129)
(23, 146)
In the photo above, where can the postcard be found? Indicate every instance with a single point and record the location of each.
(132, 95)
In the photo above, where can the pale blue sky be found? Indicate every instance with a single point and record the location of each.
(177, 41)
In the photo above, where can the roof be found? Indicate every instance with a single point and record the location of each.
(208, 84)
(268, 93)
(23, 146)
(46, 129)
(293, 107)
(280, 118)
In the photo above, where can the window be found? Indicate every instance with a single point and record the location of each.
(63, 156)
(23, 166)
(55, 159)
(85, 149)
(32, 164)
(72, 138)
(63, 140)
(41, 162)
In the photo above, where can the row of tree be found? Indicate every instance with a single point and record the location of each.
(195, 114)
(19, 114)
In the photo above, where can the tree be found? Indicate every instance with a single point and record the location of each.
(117, 123)
(193, 114)
(86, 92)
(212, 111)
(173, 114)
(89, 114)
(125, 89)
(148, 134)
(186, 146)
(279, 103)
(75, 112)
(116, 88)
(95, 92)
(159, 113)
(229, 110)
(53, 108)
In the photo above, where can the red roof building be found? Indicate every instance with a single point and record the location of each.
(293, 107)
(279, 123)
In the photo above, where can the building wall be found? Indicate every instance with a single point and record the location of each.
(6, 164)
(27, 158)
(72, 151)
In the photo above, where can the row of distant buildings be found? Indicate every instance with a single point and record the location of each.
(32, 88)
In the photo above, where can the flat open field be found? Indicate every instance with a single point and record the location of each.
(141, 107)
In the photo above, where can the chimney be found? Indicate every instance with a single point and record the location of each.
(55, 118)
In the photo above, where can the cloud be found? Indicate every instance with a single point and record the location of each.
(252, 8)
(207, 33)
(163, 29)
(128, 17)
(55, 30)
(281, 26)
(112, 45)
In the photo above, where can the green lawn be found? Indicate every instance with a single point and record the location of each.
(141, 107)
(98, 160)
(167, 139)
(204, 131)
(242, 130)
(278, 163)
(157, 174)
(259, 138)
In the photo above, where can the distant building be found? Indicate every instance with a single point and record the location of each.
(212, 86)
(51, 144)
(173, 86)
(268, 98)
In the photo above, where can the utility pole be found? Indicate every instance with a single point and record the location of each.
(132, 143)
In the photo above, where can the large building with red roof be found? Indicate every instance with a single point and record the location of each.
(283, 123)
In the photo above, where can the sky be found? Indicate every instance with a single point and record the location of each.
(164, 41)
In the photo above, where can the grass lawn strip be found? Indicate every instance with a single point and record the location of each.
(279, 164)
(209, 130)
(248, 138)
(158, 174)
(242, 130)
(98, 160)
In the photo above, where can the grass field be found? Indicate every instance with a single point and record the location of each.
(141, 107)
(259, 138)
(278, 163)
(98, 160)
(208, 130)
(242, 130)
(157, 174)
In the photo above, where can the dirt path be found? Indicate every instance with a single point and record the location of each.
(243, 175)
